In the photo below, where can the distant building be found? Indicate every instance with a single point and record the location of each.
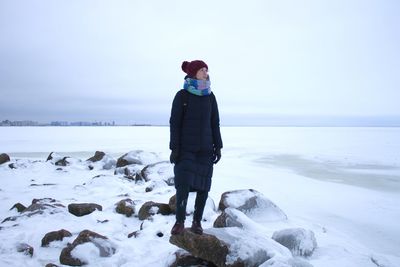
(59, 123)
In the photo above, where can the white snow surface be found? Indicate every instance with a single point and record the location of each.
(341, 183)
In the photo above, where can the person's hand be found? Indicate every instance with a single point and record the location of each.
(217, 155)
(173, 158)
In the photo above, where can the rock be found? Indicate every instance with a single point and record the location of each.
(98, 155)
(293, 262)
(106, 248)
(51, 265)
(253, 204)
(50, 156)
(230, 247)
(172, 204)
(81, 209)
(12, 166)
(4, 158)
(126, 159)
(62, 162)
(126, 207)
(55, 235)
(25, 248)
(134, 234)
(299, 241)
(150, 208)
(19, 207)
(228, 218)
(185, 259)
(38, 206)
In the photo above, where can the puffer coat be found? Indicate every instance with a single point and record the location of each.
(195, 133)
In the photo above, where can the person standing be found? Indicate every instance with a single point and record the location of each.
(195, 142)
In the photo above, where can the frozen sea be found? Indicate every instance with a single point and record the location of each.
(342, 183)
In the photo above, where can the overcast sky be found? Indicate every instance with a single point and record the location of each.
(121, 60)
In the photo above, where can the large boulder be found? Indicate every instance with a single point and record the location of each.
(253, 204)
(137, 157)
(82, 209)
(55, 235)
(299, 241)
(230, 247)
(4, 158)
(159, 171)
(126, 207)
(106, 248)
(151, 208)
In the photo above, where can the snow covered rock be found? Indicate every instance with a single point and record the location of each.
(104, 246)
(4, 158)
(19, 207)
(139, 157)
(25, 248)
(301, 242)
(102, 160)
(98, 155)
(59, 160)
(185, 259)
(282, 262)
(151, 208)
(230, 247)
(162, 170)
(55, 235)
(253, 204)
(126, 207)
(228, 218)
(82, 209)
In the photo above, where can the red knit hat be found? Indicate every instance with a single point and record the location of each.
(192, 67)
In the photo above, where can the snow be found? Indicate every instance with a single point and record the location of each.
(341, 183)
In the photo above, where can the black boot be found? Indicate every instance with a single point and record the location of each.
(196, 228)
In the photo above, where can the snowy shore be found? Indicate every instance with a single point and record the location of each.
(341, 183)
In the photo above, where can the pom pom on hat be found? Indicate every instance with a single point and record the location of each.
(192, 67)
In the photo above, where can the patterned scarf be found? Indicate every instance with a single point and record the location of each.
(197, 87)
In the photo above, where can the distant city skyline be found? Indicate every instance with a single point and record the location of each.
(270, 62)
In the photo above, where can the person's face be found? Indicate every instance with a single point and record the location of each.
(202, 74)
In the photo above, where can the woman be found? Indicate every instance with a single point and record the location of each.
(195, 141)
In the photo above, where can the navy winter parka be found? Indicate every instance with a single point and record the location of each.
(195, 133)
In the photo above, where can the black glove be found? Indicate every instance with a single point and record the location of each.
(217, 155)
(173, 158)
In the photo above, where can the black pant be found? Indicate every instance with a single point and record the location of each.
(182, 194)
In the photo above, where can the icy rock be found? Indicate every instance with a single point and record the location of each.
(19, 207)
(82, 209)
(55, 235)
(102, 160)
(139, 157)
(150, 208)
(98, 155)
(51, 265)
(106, 248)
(253, 204)
(162, 170)
(25, 248)
(228, 218)
(230, 247)
(301, 242)
(185, 259)
(4, 158)
(126, 207)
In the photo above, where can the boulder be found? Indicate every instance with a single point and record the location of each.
(230, 247)
(106, 248)
(4, 158)
(98, 155)
(126, 207)
(82, 209)
(25, 248)
(51, 265)
(55, 235)
(159, 171)
(172, 203)
(128, 159)
(150, 208)
(185, 259)
(253, 204)
(229, 218)
(299, 241)
(19, 207)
